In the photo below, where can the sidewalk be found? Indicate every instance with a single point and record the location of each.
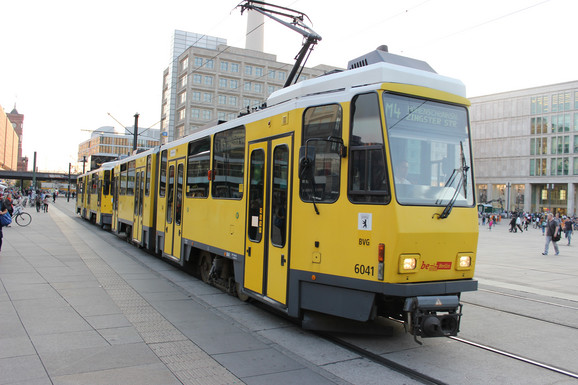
(77, 307)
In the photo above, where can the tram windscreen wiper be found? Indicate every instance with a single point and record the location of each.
(463, 182)
(465, 168)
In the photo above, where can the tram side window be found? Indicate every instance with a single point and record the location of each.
(321, 123)
(94, 184)
(148, 175)
(123, 179)
(198, 165)
(228, 163)
(368, 181)
(163, 174)
(131, 178)
(106, 185)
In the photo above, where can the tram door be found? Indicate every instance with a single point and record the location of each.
(173, 213)
(138, 205)
(268, 202)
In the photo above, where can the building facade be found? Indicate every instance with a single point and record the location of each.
(526, 148)
(209, 80)
(105, 145)
(18, 124)
(8, 143)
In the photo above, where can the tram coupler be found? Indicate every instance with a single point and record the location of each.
(433, 316)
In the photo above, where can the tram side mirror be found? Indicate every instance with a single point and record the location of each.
(306, 162)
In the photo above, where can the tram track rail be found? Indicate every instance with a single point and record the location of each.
(528, 299)
(390, 364)
(525, 315)
(516, 357)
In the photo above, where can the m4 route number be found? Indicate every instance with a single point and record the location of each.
(364, 270)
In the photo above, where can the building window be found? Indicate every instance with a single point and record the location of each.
(271, 74)
(182, 97)
(248, 70)
(210, 64)
(208, 98)
(258, 71)
(575, 165)
(206, 114)
(258, 88)
(281, 75)
(197, 79)
(208, 80)
(222, 99)
(233, 100)
(234, 67)
(222, 83)
(247, 86)
(575, 144)
(182, 114)
(185, 64)
(196, 96)
(234, 84)
(198, 62)
(224, 66)
(183, 81)
(195, 113)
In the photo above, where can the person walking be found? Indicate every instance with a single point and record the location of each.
(552, 229)
(568, 225)
(519, 224)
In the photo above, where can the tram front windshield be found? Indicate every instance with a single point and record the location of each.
(430, 151)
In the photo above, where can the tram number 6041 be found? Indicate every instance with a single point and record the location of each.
(362, 269)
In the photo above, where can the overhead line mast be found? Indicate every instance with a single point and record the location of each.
(297, 24)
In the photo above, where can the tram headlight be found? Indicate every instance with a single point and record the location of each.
(408, 263)
(464, 261)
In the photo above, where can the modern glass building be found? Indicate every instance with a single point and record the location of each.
(526, 148)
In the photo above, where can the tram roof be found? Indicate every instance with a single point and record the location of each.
(377, 73)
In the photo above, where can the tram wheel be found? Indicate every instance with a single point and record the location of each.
(205, 267)
(242, 296)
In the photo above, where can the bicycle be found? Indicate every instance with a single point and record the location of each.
(20, 217)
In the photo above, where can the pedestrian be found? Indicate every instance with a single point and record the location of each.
(544, 224)
(552, 234)
(568, 229)
(519, 224)
(513, 224)
(3, 210)
(45, 203)
(491, 222)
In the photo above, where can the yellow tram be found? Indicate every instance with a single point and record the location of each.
(94, 196)
(350, 195)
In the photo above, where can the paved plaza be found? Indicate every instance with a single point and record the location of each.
(80, 306)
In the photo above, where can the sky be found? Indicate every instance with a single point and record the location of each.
(67, 65)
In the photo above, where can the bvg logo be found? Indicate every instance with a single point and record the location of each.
(437, 266)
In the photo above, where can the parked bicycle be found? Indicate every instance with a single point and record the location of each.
(20, 217)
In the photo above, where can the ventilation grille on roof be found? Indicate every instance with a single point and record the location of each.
(381, 55)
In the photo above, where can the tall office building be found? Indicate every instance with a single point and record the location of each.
(526, 148)
(209, 80)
